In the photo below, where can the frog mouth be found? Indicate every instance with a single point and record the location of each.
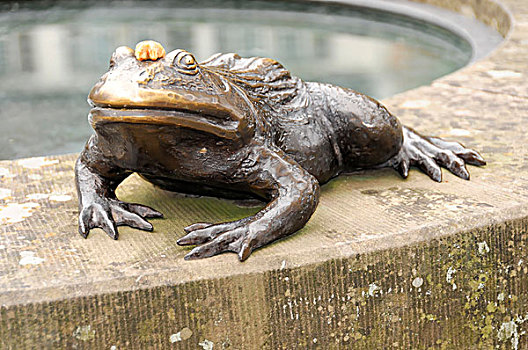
(222, 126)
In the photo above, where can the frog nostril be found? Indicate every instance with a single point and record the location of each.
(123, 51)
(119, 54)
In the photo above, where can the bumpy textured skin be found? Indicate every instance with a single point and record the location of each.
(233, 127)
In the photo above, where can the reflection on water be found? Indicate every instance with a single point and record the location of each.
(50, 58)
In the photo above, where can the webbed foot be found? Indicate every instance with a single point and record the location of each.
(108, 213)
(430, 153)
(239, 236)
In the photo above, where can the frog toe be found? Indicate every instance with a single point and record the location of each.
(469, 155)
(245, 250)
(124, 217)
(85, 221)
(142, 210)
(202, 232)
(109, 213)
(402, 167)
(133, 215)
(97, 215)
(229, 241)
(109, 226)
(233, 237)
(195, 237)
(197, 226)
(453, 163)
(472, 157)
(428, 166)
(410, 156)
(431, 153)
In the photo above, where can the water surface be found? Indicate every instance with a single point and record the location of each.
(51, 55)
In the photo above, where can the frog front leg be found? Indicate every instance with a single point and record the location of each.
(293, 195)
(96, 179)
(429, 153)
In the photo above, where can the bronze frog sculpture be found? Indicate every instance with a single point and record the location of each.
(233, 127)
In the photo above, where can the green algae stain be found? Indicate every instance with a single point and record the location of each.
(84, 333)
(453, 293)
(145, 330)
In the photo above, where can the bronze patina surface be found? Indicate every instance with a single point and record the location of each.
(233, 127)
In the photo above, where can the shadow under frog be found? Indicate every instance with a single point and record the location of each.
(233, 127)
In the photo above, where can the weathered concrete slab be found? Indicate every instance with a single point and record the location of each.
(384, 262)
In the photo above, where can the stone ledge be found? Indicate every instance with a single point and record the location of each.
(463, 291)
(413, 263)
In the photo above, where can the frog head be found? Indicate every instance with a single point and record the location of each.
(150, 87)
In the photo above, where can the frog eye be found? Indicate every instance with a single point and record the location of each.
(188, 61)
(185, 62)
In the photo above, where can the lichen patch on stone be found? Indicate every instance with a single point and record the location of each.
(417, 282)
(503, 74)
(5, 193)
(450, 275)
(37, 196)
(206, 344)
(508, 330)
(184, 334)
(459, 132)
(483, 248)
(84, 333)
(37, 162)
(60, 198)
(415, 104)
(5, 173)
(12, 213)
(373, 289)
(29, 258)
(176, 337)
(51, 197)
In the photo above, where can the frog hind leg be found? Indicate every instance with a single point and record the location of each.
(293, 194)
(430, 153)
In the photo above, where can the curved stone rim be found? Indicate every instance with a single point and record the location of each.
(279, 255)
